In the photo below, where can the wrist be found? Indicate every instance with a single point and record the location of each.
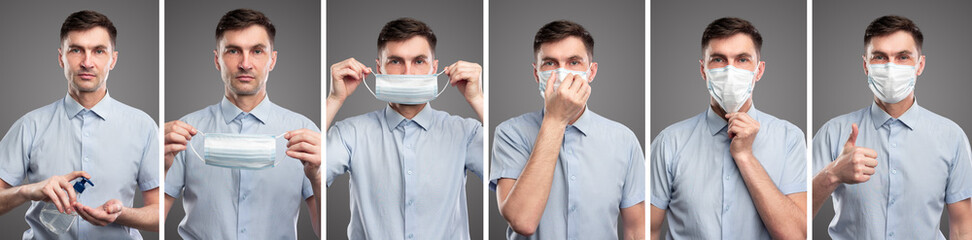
(334, 98)
(552, 120)
(476, 100)
(831, 178)
(744, 155)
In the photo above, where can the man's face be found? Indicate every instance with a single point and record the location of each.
(568, 53)
(86, 57)
(244, 59)
(898, 48)
(412, 56)
(737, 50)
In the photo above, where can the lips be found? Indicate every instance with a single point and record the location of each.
(86, 76)
(244, 78)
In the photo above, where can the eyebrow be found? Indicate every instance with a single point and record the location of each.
(100, 46)
(261, 45)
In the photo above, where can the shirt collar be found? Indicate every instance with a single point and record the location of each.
(230, 111)
(717, 124)
(423, 118)
(101, 109)
(909, 118)
(585, 122)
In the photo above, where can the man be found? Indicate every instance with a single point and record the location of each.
(566, 172)
(731, 172)
(85, 134)
(893, 166)
(232, 203)
(407, 160)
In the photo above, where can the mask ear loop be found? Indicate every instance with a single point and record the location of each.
(194, 148)
(443, 88)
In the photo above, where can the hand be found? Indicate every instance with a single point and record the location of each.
(466, 77)
(177, 135)
(101, 216)
(305, 145)
(345, 78)
(567, 101)
(855, 164)
(742, 130)
(56, 189)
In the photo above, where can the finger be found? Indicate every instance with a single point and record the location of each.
(304, 157)
(582, 84)
(184, 125)
(88, 213)
(303, 139)
(868, 171)
(852, 139)
(72, 196)
(550, 82)
(349, 74)
(175, 148)
(176, 138)
(870, 162)
(62, 190)
(71, 176)
(868, 152)
(49, 192)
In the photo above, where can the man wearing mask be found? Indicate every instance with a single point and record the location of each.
(565, 172)
(85, 134)
(894, 165)
(227, 194)
(731, 171)
(407, 160)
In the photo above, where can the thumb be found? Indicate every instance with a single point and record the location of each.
(853, 137)
(76, 174)
(550, 84)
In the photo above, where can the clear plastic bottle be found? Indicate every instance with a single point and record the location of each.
(57, 222)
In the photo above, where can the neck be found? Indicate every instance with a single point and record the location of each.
(245, 102)
(572, 121)
(407, 110)
(722, 113)
(896, 109)
(88, 99)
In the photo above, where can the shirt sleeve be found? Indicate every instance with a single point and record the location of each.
(634, 180)
(148, 169)
(959, 186)
(474, 151)
(823, 143)
(338, 153)
(795, 170)
(175, 177)
(661, 178)
(307, 189)
(15, 153)
(510, 155)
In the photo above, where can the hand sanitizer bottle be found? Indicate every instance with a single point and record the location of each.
(58, 222)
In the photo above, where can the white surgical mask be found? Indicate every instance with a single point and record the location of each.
(406, 89)
(561, 75)
(242, 151)
(730, 86)
(891, 82)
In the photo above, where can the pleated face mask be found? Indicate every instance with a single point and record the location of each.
(406, 89)
(241, 151)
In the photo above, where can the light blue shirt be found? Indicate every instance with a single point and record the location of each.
(227, 203)
(695, 179)
(408, 177)
(115, 143)
(923, 163)
(600, 170)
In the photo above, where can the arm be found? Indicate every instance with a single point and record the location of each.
(168, 205)
(313, 205)
(56, 188)
(466, 77)
(521, 201)
(345, 78)
(960, 219)
(854, 165)
(657, 217)
(634, 222)
(305, 145)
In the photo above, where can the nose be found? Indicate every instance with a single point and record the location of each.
(87, 62)
(245, 64)
(408, 68)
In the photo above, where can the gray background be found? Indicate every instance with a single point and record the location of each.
(352, 31)
(839, 83)
(677, 89)
(192, 81)
(34, 79)
(618, 28)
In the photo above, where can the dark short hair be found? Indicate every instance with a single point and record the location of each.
(87, 19)
(244, 18)
(403, 29)
(729, 26)
(560, 29)
(889, 24)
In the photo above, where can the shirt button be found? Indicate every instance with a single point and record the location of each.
(243, 230)
(893, 171)
(891, 234)
(573, 178)
(86, 159)
(726, 208)
(87, 134)
(409, 172)
(410, 235)
(727, 177)
(894, 145)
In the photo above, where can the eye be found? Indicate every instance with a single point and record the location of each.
(99, 51)
(394, 61)
(574, 62)
(879, 57)
(420, 61)
(905, 57)
(75, 50)
(717, 60)
(233, 51)
(548, 63)
(258, 51)
(742, 60)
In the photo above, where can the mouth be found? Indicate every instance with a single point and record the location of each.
(245, 78)
(86, 76)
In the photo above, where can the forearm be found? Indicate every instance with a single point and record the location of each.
(823, 185)
(333, 105)
(527, 199)
(782, 217)
(477, 105)
(10, 198)
(316, 214)
(144, 218)
(634, 222)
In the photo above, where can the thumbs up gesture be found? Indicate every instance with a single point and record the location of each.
(855, 164)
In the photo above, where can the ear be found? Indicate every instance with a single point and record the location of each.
(760, 70)
(593, 72)
(60, 59)
(378, 66)
(114, 60)
(702, 69)
(536, 75)
(273, 60)
(921, 65)
(435, 66)
(864, 64)
(216, 60)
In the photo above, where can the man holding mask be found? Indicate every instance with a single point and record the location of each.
(407, 161)
(893, 166)
(732, 171)
(565, 172)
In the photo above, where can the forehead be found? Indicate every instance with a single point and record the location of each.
(563, 48)
(408, 48)
(88, 37)
(246, 37)
(736, 44)
(892, 43)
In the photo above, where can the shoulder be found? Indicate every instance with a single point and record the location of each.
(139, 117)
(526, 123)
(678, 130)
(449, 121)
